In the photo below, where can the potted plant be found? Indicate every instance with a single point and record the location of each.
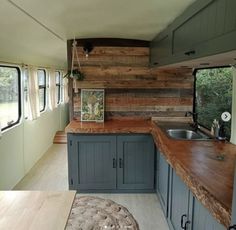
(75, 74)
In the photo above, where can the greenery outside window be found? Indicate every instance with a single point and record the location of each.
(213, 96)
(10, 96)
(41, 73)
(58, 86)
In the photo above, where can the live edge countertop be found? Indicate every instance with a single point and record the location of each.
(210, 180)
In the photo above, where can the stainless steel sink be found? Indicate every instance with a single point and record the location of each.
(184, 134)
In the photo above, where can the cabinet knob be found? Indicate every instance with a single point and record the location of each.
(120, 163)
(232, 227)
(191, 52)
(114, 163)
(182, 220)
(186, 225)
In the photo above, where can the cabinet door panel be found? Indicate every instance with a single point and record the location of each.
(202, 219)
(136, 162)
(178, 202)
(160, 49)
(163, 182)
(94, 161)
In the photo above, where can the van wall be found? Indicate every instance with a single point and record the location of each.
(23, 145)
(233, 123)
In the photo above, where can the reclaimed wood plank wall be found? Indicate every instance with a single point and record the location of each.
(132, 88)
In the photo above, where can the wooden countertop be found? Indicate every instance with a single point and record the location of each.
(210, 180)
(110, 126)
(35, 210)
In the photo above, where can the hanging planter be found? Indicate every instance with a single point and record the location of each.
(75, 73)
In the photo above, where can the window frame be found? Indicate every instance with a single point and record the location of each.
(25, 89)
(59, 93)
(19, 96)
(194, 90)
(43, 87)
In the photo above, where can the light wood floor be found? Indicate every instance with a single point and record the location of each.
(50, 173)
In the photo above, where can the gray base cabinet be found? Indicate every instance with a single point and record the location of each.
(163, 170)
(178, 215)
(202, 219)
(111, 163)
(181, 208)
(91, 162)
(135, 162)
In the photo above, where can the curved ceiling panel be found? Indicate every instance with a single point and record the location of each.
(36, 30)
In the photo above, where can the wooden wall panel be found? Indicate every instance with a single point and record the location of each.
(132, 89)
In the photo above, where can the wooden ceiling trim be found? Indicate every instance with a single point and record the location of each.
(118, 42)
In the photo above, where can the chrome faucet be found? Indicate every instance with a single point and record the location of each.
(194, 116)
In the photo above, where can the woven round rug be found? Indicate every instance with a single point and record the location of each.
(94, 213)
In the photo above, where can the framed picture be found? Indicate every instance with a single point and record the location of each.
(92, 105)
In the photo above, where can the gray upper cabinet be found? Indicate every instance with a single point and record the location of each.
(163, 171)
(160, 49)
(179, 196)
(92, 162)
(206, 28)
(135, 162)
(208, 31)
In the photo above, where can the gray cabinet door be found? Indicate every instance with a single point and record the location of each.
(135, 162)
(160, 49)
(178, 202)
(163, 182)
(92, 162)
(205, 28)
(202, 219)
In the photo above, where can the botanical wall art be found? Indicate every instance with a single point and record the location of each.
(92, 105)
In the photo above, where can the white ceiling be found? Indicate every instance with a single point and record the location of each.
(35, 31)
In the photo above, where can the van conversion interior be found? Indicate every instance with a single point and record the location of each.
(118, 115)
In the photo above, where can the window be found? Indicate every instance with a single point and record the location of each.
(58, 86)
(42, 89)
(10, 109)
(213, 96)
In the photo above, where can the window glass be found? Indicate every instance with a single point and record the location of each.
(42, 89)
(213, 96)
(10, 110)
(58, 86)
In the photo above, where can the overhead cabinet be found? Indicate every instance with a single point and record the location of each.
(206, 28)
(111, 162)
(161, 49)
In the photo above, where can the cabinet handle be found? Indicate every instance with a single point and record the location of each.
(120, 163)
(191, 52)
(186, 225)
(232, 227)
(182, 221)
(114, 163)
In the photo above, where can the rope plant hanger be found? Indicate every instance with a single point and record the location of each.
(75, 72)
